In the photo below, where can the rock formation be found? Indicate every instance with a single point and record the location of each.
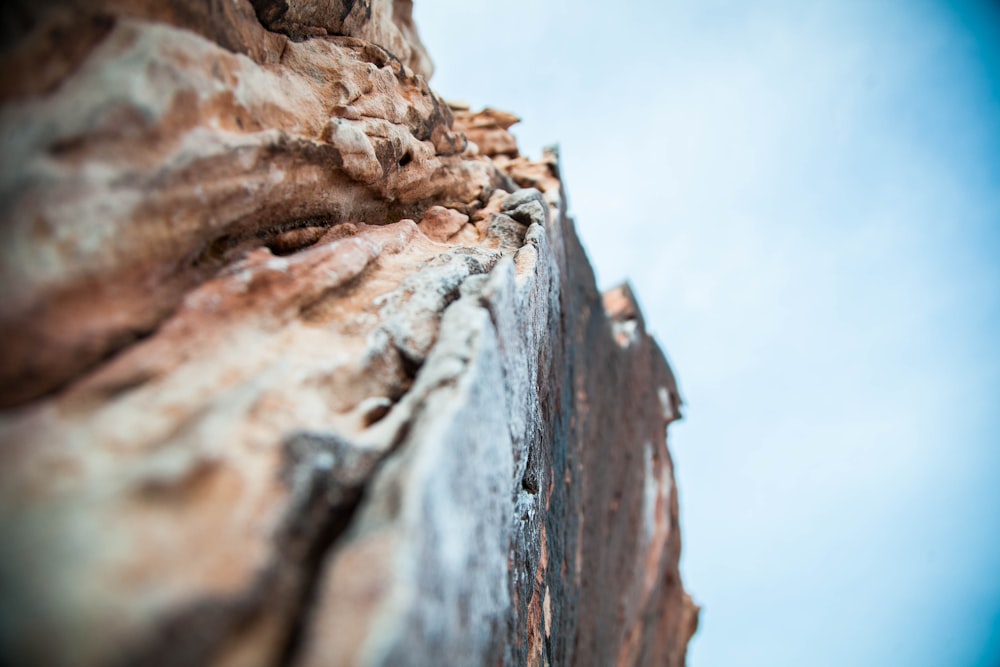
(302, 366)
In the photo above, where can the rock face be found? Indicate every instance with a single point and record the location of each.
(300, 366)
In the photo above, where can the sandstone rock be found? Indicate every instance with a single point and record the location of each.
(165, 155)
(488, 130)
(442, 223)
(255, 414)
(387, 23)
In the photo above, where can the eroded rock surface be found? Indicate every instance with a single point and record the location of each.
(302, 366)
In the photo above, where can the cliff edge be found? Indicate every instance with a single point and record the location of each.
(302, 365)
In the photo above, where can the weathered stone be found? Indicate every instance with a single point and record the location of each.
(165, 155)
(255, 414)
(387, 23)
(488, 130)
(442, 223)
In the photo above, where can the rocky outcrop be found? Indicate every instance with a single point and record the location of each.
(295, 373)
(165, 155)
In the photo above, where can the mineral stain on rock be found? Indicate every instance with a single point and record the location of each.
(303, 366)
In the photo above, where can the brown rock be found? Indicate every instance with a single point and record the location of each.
(488, 130)
(386, 23)
(255, 414)
(440, 223)
(120, 196)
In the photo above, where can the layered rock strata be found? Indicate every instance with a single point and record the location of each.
(295, 373)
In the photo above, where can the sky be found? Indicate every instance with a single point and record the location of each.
(806, 199)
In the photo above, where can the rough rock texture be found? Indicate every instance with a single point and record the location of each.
(295, 373)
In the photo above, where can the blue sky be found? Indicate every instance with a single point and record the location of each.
(806, 197)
